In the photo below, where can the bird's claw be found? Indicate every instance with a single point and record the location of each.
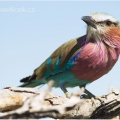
(67, 95)
(85, 96)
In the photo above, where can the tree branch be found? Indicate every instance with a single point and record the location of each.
(24, 103)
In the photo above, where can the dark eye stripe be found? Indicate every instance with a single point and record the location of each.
(109, 23)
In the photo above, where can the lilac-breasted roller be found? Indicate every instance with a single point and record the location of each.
(82, 60)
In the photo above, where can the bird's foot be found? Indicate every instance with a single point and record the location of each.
(87, 94)
(84, 96)
(67, 94)
(63, 88)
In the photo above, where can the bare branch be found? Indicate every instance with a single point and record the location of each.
(27, 103)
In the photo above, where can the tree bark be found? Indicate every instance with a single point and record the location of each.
(26, 103)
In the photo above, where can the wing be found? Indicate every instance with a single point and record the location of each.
(59, 61)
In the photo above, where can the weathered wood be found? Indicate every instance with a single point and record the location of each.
(24, 103)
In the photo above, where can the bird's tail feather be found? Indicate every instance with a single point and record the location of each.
(31, 81)
(31, 84)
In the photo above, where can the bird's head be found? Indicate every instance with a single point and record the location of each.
(99, 25)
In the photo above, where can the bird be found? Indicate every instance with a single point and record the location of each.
(81, 60)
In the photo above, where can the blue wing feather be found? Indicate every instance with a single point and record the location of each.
(57, 67)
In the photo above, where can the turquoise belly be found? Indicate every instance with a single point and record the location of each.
(67, 78)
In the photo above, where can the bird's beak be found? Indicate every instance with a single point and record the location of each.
(89, 21)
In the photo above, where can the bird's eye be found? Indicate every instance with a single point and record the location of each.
(108, 23)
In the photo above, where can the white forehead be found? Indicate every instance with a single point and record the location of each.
(99, 17)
